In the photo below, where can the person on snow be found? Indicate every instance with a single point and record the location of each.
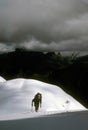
(37, 101)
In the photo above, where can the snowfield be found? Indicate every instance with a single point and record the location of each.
(15, 106)
(62, 121)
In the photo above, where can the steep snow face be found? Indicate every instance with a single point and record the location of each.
(16, 96)
(2, 79)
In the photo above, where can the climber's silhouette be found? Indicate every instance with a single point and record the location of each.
(36, 101)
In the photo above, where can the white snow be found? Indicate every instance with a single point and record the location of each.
(2, 79)
(59, 110)
(62, 121)
(16, 96)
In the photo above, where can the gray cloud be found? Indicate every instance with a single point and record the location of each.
(6, 48)
(44, 24)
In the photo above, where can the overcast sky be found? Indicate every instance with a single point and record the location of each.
(44, 25)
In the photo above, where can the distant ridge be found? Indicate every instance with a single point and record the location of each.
(71, 73)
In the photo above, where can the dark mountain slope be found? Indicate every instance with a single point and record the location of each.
(68, 72)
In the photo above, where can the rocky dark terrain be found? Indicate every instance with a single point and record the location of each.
(69, 72)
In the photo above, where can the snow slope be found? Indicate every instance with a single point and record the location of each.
(2, 79)
(63, 121)
(16, 96)
(59, 110)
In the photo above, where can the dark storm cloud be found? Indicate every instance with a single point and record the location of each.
(44, 25)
